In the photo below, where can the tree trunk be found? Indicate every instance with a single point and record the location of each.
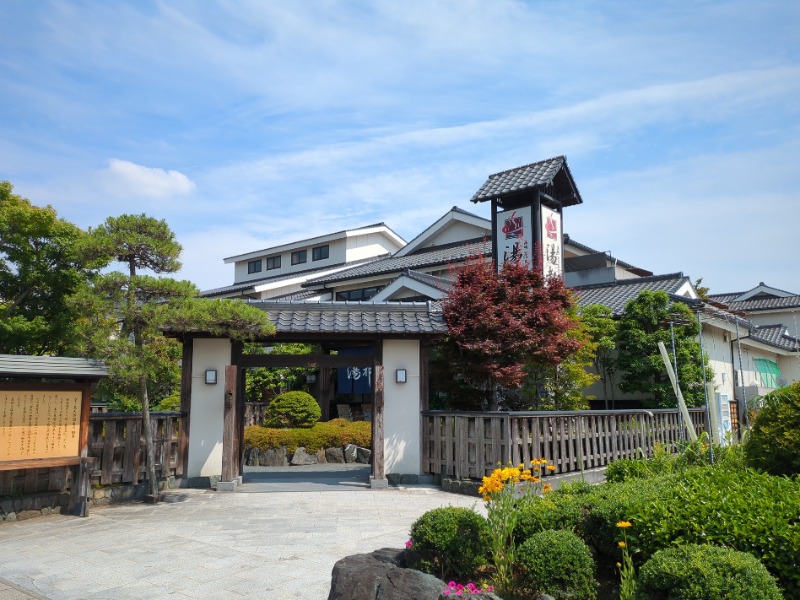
(148, 439)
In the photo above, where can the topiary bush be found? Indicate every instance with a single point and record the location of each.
(558, 563)
(773, 444)
(450, 542)
(292, 409)
(702, 572)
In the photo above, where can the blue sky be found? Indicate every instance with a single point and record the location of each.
(252, 123)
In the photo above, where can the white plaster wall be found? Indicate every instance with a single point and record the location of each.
(369, 245)
(206, 418)
(401, 407)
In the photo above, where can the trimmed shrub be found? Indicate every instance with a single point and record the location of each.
(744, 509)
(551, 511)
(331, 434)
(774, 440)
(293, 409)
(558, 563)
(702, 572)
(450, 542)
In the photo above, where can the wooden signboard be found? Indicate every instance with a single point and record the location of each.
(43, 425)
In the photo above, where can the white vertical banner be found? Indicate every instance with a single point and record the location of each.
(515, 235)
(552, 243)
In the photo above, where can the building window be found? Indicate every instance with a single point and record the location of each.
(254, 266)
(319, 253)
(362, 294)
(273, 262)
(299, 257)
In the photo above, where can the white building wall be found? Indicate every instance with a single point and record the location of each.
(206, 419)
(402, 405)
(367, 246)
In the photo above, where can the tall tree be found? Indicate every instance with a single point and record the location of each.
(560, 386)
(139, 306)
(645, 322)
(500, 322)
(40, 267)
(601, 327)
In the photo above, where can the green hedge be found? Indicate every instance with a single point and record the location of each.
(330, 434)
(701, 572)
(745, 510)
(741, 509)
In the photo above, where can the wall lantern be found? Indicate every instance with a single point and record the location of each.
(311, 378)
(211, 376)
(400, 376)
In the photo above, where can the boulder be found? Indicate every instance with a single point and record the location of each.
(363, 455)
(334, 455)
(350, 453)
(273, 458)
(380, 576)
(301, 457)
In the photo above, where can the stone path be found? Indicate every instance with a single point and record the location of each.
(203, 544)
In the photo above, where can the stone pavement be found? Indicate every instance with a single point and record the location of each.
(205, 544)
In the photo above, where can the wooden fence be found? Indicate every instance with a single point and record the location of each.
(471, 445)
(117, 442)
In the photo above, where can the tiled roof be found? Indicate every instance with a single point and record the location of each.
(775, 335)
(438, 282)
(51, 366)
(523, 178)
(756, 304)
(616, 295)
(374, 318)
(439, 255)
(238, 287)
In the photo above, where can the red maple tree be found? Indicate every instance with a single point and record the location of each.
(499, 322)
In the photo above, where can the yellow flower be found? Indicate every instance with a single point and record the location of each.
(551, 468)
(622, 544)
(619, 565)
(624, 524)
(546, 488)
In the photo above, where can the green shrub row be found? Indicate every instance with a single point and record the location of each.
(741, 509)
(334, 433)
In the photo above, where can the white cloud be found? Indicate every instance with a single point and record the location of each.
(126, 179)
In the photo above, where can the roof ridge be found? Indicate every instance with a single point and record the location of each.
(635, 280)
(538, 162)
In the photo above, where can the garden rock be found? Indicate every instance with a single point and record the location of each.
(272, 458)
(363, 455)
(380, 576)
(301, 457)
(350, 453)
(334, 455)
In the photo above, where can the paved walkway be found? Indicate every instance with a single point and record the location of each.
(203, 544)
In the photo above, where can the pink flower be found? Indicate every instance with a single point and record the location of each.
(409, 543)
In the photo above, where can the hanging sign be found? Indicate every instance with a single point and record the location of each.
(552, 243)
(515, 235)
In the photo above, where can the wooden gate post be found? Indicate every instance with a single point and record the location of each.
(230, 466)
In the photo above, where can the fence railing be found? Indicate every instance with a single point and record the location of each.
(471, 445)
(117, 441)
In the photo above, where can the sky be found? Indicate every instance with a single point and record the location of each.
(247, 124)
